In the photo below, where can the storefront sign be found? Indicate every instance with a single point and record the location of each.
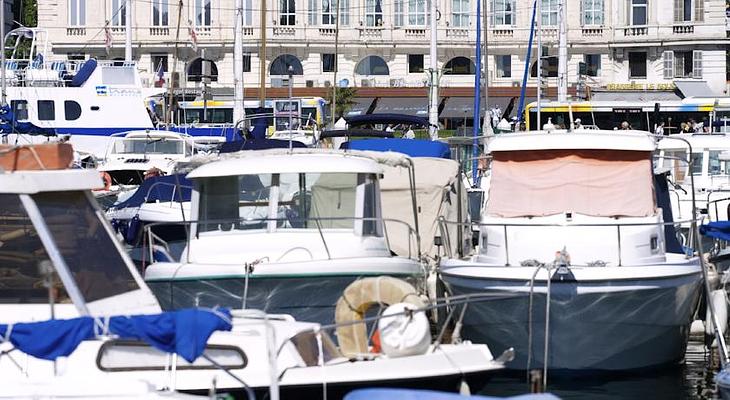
(640, 86)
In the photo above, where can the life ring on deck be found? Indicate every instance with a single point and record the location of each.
(358, 297)
(107, 179)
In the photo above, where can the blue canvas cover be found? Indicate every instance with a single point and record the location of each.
(160, 188)
(411, 147)
(258, 144)
(718, 230)
(184, 332)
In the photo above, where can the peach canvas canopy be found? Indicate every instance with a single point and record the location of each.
(592, 182)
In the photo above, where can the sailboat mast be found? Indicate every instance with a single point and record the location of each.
(238, 110)
(539, 63)
(2, 57)
(262, 57)
(128, 29)
(477, 98)
(563, 56)
(433, 109)
(485, 65)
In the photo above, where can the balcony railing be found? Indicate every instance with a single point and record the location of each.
(636, 31)
(287, 31)
(75, 31)
(459, 33)
(371, 33)
(416, 33)
(159, 31)
(683, 29)
(592, 31)
(503, 32)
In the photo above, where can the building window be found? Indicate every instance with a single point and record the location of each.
(344, 12)
(460, 66)
(593, 64)
(159, 60)
(280, 66)
(77, 12)
(247, 63)
(460, 13)
(504, 66)
(328, 62)
(372, 65)
(329, 12)
(118, 13)
(76, 56)
(202, 13)
(550, 12)
(374, 12)
(682, 64)
(689, 10)
(46, 110)
(552, 67)
(502, 12)
(287, 12)
(415, 63)
(637, 65)
(638, 12)
(417, 12)
(399, 13)
(248, 12)
(313, 11)
(160, 16)
(20, 109)
(592, 12)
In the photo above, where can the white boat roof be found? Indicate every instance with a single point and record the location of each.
(697, 140)
(30, 182)
(250, 162)
(149, 134)
(630, 140)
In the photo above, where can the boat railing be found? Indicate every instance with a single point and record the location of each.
(173, 200)
(22, 72)
(713, 205)
(446, 239)
(153, 241)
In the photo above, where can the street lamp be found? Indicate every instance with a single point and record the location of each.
(291, 103)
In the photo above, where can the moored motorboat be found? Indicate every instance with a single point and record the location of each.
(574, 243)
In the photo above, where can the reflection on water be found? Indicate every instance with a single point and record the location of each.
(693, 380)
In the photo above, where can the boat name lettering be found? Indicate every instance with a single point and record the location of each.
(640, 86)
(103, 90)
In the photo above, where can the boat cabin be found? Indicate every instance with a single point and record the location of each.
(589, 193)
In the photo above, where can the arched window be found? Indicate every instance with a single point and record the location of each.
(460, 66)
(552, 67)
(372, 65)
(280, 65)
(195, 70)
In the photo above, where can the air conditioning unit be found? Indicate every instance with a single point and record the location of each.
(365, 83)
(277, 82)
(309, 83)
(327, 83)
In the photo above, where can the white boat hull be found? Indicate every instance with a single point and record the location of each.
(594, 324)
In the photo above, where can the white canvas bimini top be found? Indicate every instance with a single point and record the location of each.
(29, 182)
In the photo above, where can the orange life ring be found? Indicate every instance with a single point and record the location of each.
(107, 179)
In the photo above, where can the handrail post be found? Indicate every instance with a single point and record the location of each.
(618, 235)
(506, 246)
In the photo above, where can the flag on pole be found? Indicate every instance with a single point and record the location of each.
(107, 38)
(193, 36)
(160, 75)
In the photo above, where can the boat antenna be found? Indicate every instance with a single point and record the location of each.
(521, 106)
(168, 119)
(477, 98)
(4, 95)
(433, 109)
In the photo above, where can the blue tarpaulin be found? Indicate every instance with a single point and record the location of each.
(184, 332)
(717, 230)
(175, 188)
(411, 147)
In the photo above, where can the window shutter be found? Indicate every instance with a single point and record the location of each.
(582, 13)
(697, 64)
(629, 22)
(678, 10)
(668, 58)
(699, 10)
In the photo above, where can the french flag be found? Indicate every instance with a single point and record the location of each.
(160, 75)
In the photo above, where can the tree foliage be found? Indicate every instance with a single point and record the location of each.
(345, 100)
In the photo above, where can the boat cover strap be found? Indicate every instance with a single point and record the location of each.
(184, 332)
(718, 230)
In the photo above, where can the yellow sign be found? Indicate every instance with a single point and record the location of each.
(640, 86)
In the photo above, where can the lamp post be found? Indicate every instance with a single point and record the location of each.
(291, 103)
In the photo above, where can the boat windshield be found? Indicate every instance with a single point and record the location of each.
(305, 200)
(149, 146)
(84, 244)
(589, 182)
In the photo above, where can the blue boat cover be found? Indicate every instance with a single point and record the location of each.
(717, 230)
(160, 188)
(258, 144)
(416, 394)
(184, 332)
(84, 73)
(661, 191)
(411, 147)
(369, 119)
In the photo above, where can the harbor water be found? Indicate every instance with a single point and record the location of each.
(692, 380)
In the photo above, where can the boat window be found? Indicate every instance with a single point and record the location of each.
(307, 200)
(85, 245)
(717, 166)
(675, 161)
(149, 146)
(696, 166)
(21, 254)
(46, 110)
(20, 109)
(72, 110)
